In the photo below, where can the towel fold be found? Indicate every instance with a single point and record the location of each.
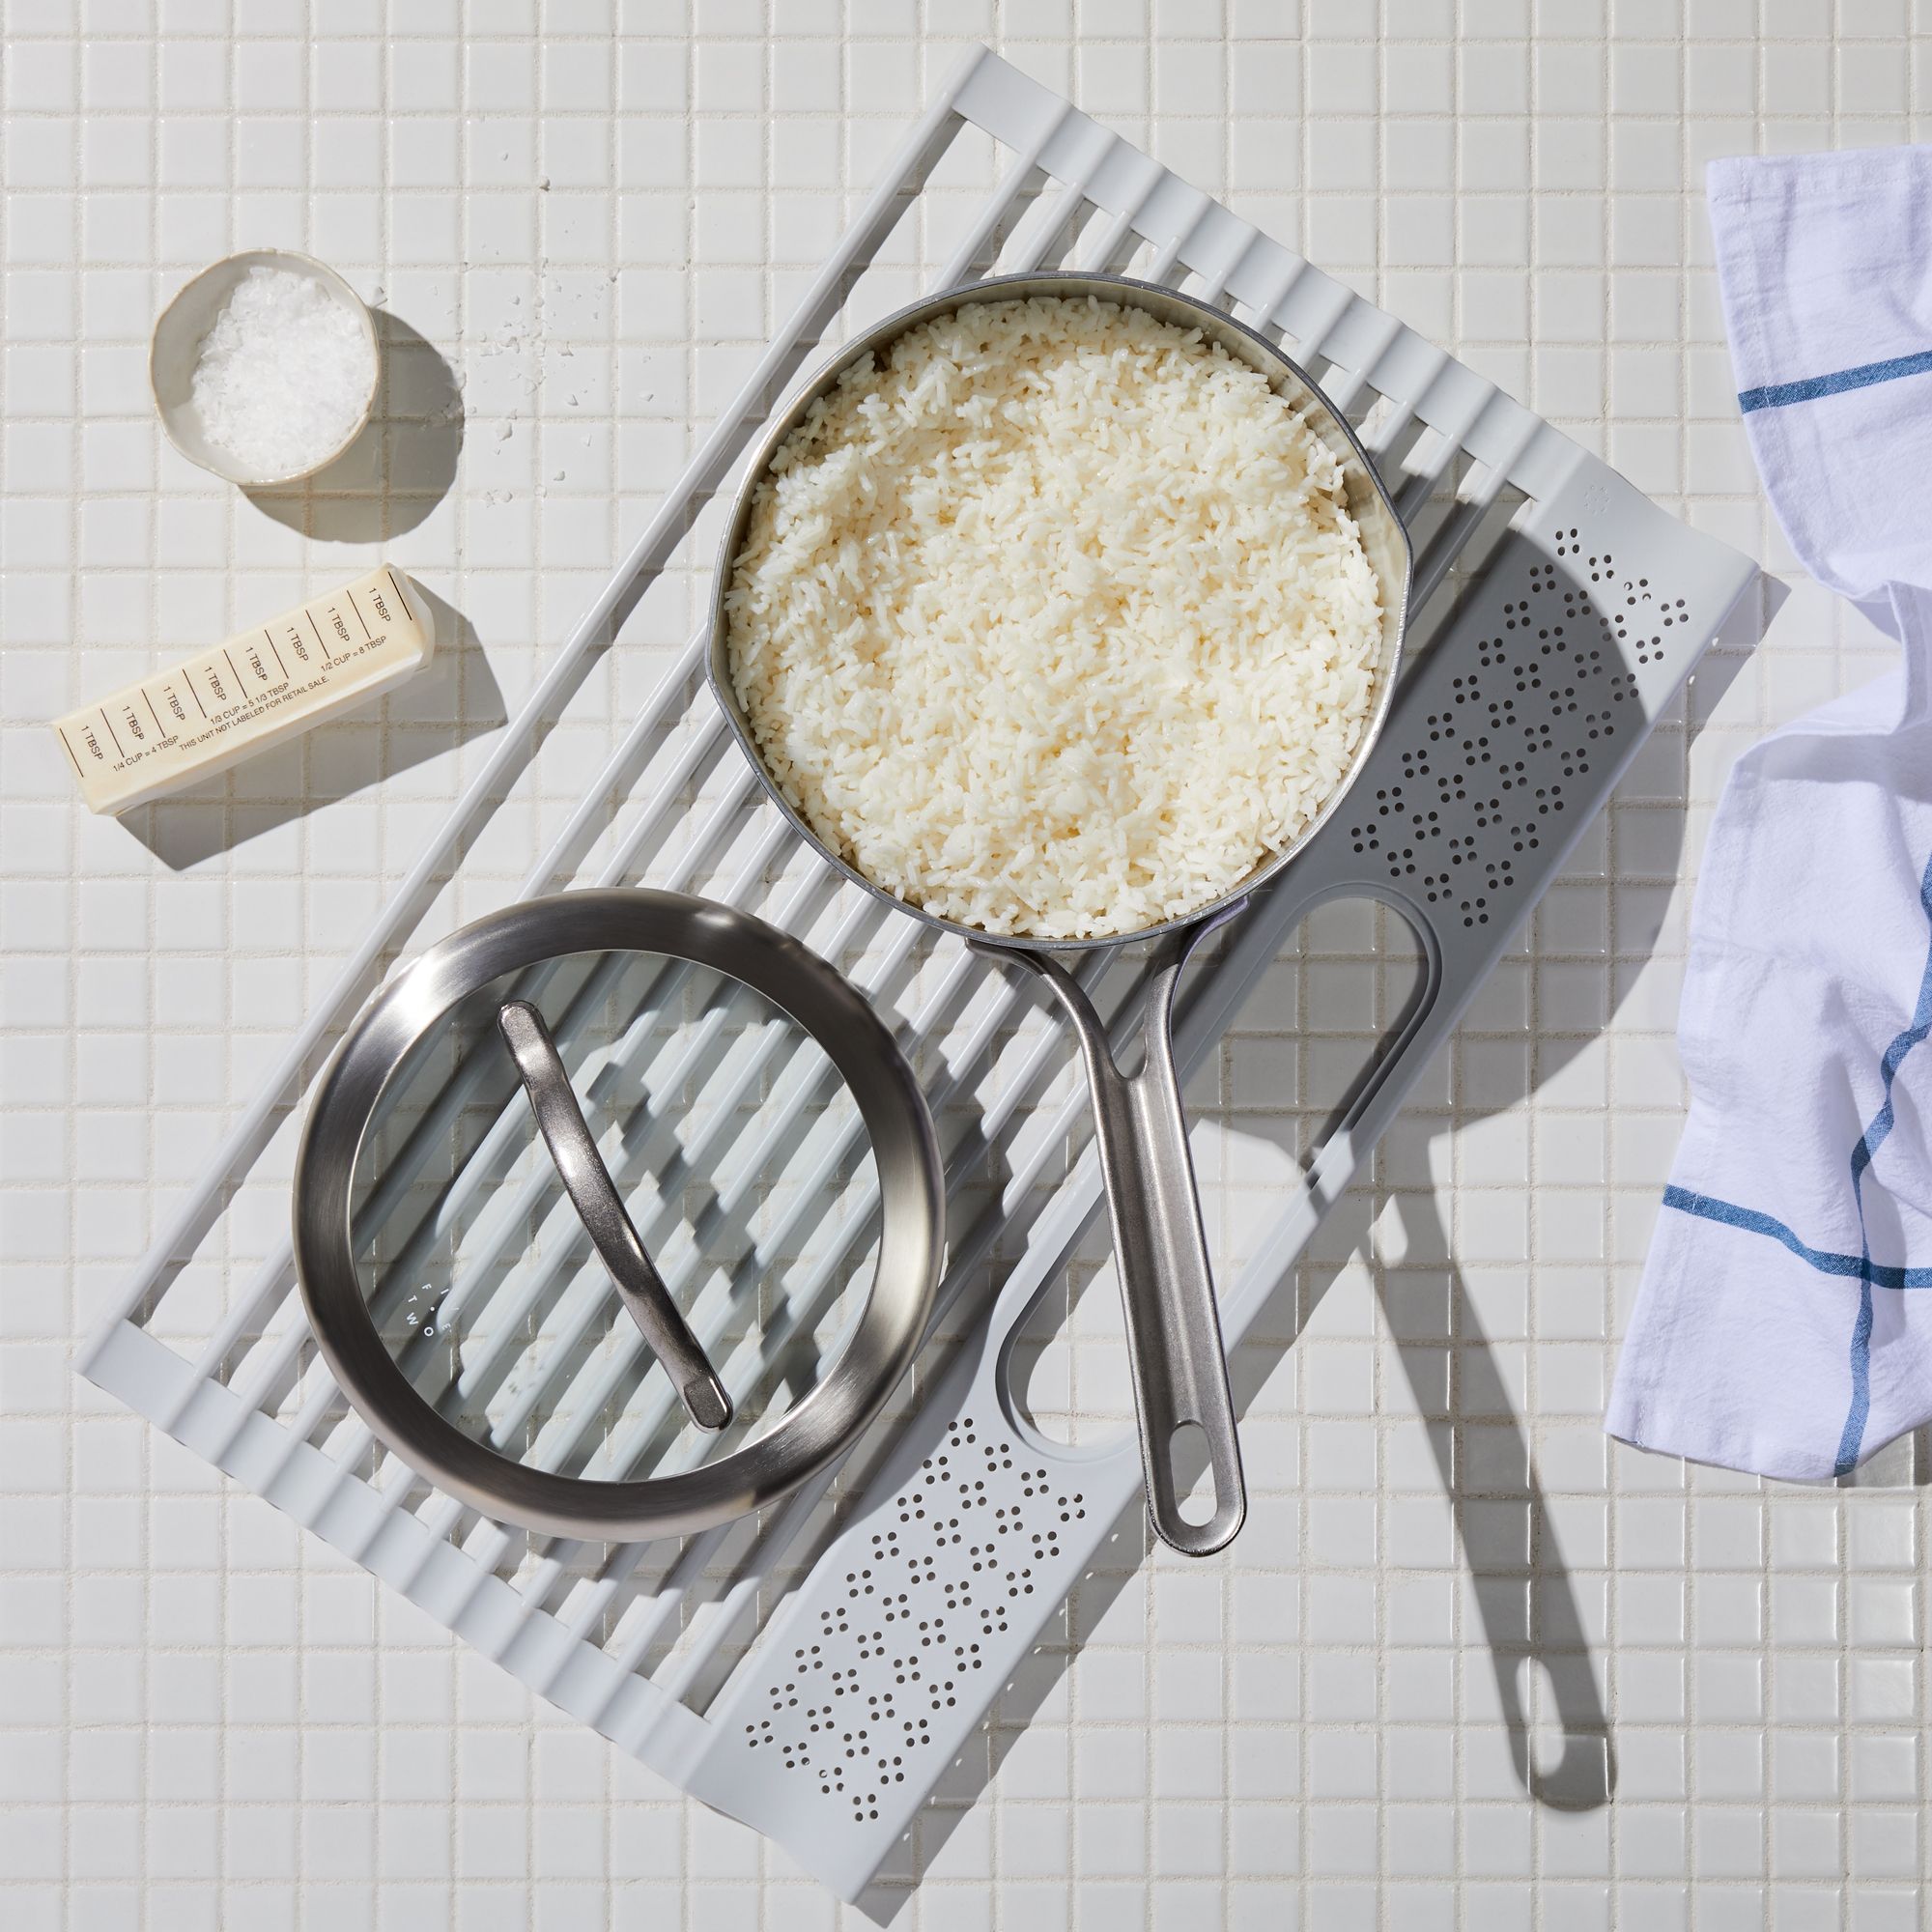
(1784, 1320)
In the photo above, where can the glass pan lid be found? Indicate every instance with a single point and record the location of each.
(565, 1242)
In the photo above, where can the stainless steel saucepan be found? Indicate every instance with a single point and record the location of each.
(392, 1053)
(1173, 1334)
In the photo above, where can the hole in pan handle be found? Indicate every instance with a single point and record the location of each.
(592, 1193)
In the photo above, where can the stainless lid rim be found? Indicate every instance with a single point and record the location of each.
(882, 1340)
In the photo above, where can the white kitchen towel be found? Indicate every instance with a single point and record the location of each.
(1784, 1320)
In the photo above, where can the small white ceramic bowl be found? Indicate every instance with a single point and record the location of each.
(176, 347)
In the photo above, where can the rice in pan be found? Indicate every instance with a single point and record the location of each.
(1055, 624)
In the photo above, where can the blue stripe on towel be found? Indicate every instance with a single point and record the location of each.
(1775, 395)
(1859, 1267)
(1707, 1208)
(1869, 1143)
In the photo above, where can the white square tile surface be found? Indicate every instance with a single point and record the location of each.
(582, 219)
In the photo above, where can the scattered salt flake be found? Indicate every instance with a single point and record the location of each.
(284, 375)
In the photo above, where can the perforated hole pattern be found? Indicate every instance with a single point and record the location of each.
(1484, 778)
(850, 1714)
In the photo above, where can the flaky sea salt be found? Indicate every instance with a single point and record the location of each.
(284, 374)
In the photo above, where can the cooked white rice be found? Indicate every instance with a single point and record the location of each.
(1056, 624)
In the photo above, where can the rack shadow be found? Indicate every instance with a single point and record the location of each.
(1527, 1600)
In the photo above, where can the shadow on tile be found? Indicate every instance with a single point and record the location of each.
(454, 698)
(1525, 1596)
(1553, 1706)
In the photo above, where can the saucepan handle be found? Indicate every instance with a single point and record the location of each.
(1166, 1289)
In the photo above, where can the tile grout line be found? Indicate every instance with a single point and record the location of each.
(615, 295)
(1767, 1842)
(687, 1805)
(1228, 1565)
(1841, 1505)
(70, 1445)
(1606, 1222)
(1378, 1290)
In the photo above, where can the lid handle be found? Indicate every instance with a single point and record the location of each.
(588, 1182)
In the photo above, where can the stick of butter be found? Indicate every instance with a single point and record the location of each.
(256, 690)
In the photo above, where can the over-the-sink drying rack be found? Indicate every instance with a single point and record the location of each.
(817, 1671)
